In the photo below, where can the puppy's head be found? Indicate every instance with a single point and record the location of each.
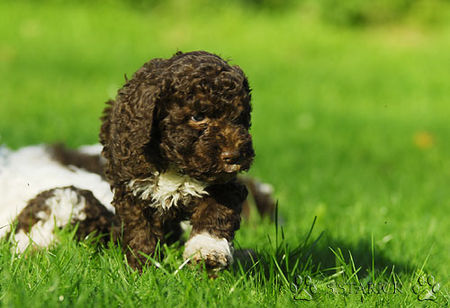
(190, 112)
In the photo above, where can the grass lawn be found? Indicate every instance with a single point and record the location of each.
(351, 126)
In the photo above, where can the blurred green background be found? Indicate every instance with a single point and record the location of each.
(351, 102)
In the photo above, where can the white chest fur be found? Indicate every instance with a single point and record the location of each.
(167, 189)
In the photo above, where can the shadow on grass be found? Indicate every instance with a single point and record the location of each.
(323, 256)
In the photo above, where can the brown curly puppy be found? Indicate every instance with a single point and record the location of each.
(174, 139)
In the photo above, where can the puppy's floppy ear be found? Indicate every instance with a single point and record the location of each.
(128, 121)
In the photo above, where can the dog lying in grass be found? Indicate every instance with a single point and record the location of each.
(174, 140)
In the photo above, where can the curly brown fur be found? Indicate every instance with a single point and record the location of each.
(181, 119)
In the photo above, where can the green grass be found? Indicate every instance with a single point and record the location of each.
(350, 126)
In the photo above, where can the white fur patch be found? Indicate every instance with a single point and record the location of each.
(65, 206)
(91, 149)
(31, 170)
(167, 189)
(264, 188)
(205, 246)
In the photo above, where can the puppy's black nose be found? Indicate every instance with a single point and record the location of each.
(230, 157)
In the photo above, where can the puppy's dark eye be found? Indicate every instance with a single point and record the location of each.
(198, 117)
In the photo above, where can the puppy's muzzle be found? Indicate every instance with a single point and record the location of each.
(237, 160)
(231, 161)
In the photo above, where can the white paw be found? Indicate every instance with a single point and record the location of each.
(215, 252)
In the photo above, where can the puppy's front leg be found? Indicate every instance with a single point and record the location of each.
(214, 220)
(139, 234)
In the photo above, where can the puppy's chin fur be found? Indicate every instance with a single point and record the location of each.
(218, 178)
(167, 189)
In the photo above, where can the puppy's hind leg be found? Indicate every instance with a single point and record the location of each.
(57, 208)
